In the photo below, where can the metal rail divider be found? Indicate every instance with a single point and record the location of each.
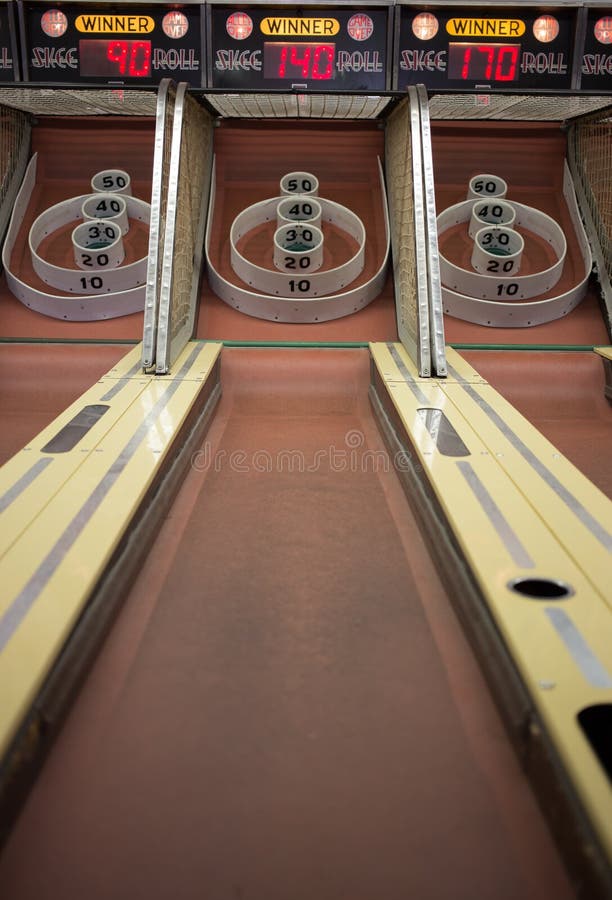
(410, 188)
(166, 99)
(434, 283)
(181, 184)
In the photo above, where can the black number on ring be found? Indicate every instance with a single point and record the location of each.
(510, 289)
(302, 286)
(95, 282)
(303, 262)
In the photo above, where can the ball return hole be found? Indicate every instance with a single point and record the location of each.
(541, 588)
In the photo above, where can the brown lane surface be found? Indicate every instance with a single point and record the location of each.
(529, 156)
(562, 394)
(251, 158)
(287, 706)
(70, 152)
(38, 382)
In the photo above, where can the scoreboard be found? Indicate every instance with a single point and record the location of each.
(359, 47)
(484, 48)
(118, 44)
(337, 48)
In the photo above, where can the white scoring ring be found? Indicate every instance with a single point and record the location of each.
(296, 309)
(501, 212)
(492, 287)
(294, 183)
(279, 284)
(111, 181)
(107, 206)
(478, 184)
(298, 248)
(79, 308)
(490, 243)
(284, 216)
(499, 314)
(72, 280)
(97, 245)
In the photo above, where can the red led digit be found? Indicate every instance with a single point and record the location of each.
(117, 52)
(140, 59)
(512, 59)
(489, 53)
(302, 61)
(465, 69)
(318, 72)
(282, 68)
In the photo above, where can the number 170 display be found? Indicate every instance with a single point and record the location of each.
(486, 62)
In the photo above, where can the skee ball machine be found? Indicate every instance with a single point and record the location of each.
(306, 495)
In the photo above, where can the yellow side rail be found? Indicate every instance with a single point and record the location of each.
(67, 501)
(536, 536)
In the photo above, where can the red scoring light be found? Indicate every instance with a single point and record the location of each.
(491, 62)
(112, 58)
(133, 57)
(303, 60)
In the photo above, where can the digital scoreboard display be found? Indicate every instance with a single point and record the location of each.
(264, 48)
(477, 47)
(115, 45)
(483, 62)
(332, 47)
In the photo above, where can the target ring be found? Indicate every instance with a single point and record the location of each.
(474, 284)
(497, 249)
(96, 292)
(490, 186)
(103, 206)
(73, 280)
(283, 283)
(305, 296)
(491, 212)
(97, 245)
(491, 299)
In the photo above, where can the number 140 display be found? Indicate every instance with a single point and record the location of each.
(301, 61)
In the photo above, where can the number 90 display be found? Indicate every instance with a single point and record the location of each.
(104, 58)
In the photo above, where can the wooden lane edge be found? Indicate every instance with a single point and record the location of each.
(576, 804)
(36, 733)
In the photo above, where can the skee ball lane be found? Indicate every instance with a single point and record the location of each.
(286, 704)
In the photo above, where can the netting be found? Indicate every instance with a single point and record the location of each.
(505, 107)
(15, 131)
(590, 161)
(398, 151)
(60, 102)
(320, 106)
(513, 107)
(188, 190)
